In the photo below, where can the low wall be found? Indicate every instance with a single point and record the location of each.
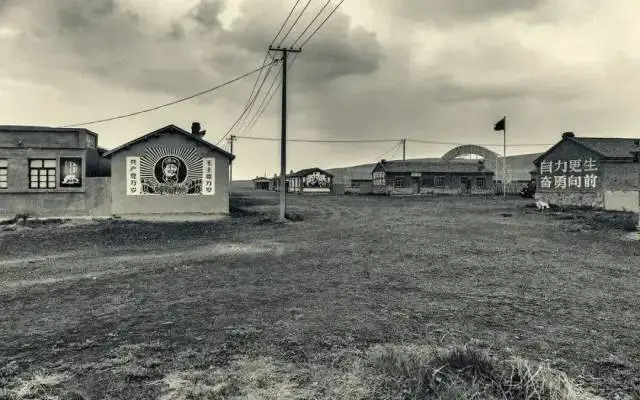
(95, 200)
(622, 200)
(589, 199)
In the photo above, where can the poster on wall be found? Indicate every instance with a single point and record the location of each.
(71, 172)
(162, 171)
(566, 174)
(316, 180)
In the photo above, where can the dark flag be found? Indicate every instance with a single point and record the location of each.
(499, 126)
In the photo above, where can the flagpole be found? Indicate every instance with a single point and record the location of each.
(504, 159)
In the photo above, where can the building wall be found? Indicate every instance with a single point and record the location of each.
(123, 204)
(621, 184)
(571, 194)
(451, 183)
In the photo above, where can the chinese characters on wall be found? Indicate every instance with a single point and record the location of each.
(208, 172)
(562, 174)
(133, 176)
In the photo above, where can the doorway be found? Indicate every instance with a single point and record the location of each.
(415, 184)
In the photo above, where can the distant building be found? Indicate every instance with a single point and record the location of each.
(170, 171)
(356, 179)
(262, 183)
(432, 176)
(594, 172)
(310, 180)
(52, 171)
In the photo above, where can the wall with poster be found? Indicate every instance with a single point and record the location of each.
(570, 176)
(169, 174)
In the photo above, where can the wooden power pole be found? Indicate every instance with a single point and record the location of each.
(231, 139)
(404, 149)
(283, 139)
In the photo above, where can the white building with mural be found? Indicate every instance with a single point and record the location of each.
(169, 171)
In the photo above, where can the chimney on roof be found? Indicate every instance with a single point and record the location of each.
(383, 161)
(195, 130)
(568, 134)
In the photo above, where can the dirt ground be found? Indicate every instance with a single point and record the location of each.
(122, 308)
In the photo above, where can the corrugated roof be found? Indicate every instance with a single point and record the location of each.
(610, 147)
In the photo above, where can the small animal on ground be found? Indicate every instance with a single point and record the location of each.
(542, 205)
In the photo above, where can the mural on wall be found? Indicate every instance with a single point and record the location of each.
(561, 174)
(70, 172)
(170, 171)
(316, 180)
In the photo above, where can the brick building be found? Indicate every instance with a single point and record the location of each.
(51, 172)
(595, 172)
(432, 176)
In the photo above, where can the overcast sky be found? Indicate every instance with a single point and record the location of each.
(436, 70)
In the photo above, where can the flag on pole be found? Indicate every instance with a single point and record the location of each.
(499, 126)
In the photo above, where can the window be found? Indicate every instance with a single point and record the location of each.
(480, 182)
(398, 181)
(4, 169)
(427, 181)
(42, 174)
(379, 178)
(355, 184)
(439, 181)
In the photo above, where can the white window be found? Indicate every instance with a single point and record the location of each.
(42, 173)
(4, 172)
(379, 178)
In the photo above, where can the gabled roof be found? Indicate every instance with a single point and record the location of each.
(304, 172)
(607, 148)
(436, 165)
(261, 178)
(33, 128)
(168, 128)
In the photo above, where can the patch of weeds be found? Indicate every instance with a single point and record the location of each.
(38, 385)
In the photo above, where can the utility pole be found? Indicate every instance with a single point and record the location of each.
(283, 139)
(231, 139)
(404, 149)
(504, 159)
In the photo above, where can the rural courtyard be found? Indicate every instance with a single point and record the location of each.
(251, 308)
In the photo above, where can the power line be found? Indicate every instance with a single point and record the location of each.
(380, 141)
(272, 42)
(387, 152)
(294, 24)
(311, 23)
(251, 124)
(171, 103)
(321, 24)
(253, 98)
(263, 109)
(243, 116)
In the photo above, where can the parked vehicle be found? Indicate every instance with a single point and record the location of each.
(529, 191)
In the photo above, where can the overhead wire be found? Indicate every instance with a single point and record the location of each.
(259, 113)
(311, 23)
(252, 98)
(321, 24)
(170, 103)
(294, 23)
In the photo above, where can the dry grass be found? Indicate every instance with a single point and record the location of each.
(244, 308)
(38, 385)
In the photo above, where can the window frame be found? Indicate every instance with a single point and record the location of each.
(4, 173)
(484, 181)
(397, 179)
(50, 178)
(436, 180)
(379, 178)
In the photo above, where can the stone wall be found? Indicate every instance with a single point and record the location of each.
(586, 199)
